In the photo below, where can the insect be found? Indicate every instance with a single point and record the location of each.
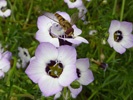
(65, 24)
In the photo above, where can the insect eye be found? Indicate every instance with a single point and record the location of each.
(63, 19)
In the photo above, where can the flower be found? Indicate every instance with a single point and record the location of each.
(51, 31)
(4, 62)
(52, 68)
(120, 36)
(24, 57)
(73, 3)
(85, 75)
(82, 11)
(92, 32)
(3, 11)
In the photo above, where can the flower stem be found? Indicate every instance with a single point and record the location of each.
(112, 55)
(114, 9)
(11, 72)
(28, 15)
(122, 10)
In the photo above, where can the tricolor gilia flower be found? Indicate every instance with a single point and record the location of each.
(85, 75)
(3, 11)
(52, 68)
(51, 31)
(24, 57)
(73, 3)
(120, 36)
(5, 58)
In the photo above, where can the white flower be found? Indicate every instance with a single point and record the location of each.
(24, 57)
(92, 32)
(51, 31)
(120, 36)
(82, 11)
(74, 4)
(52, 68)
(4, 63)
(3, 12)
(85, 75)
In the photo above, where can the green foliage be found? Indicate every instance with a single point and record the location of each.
(20, 28)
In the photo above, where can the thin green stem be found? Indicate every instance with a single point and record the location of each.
(114, 8)
(112, 55)
(122, 10)
(11, 72)
(29, 13)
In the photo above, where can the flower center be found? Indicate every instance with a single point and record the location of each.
(118, 36)
(78, 73)
(72, 0)
(56, 31)
(3, 9)
(54, 69)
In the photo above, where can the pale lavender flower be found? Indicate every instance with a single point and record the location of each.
(85, 75)
(52, 68)
(4, 12)
(5, 58)
(51, 31)
(120, 36)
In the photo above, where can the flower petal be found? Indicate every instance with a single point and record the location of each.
(44, 22)
(75, 92)
(68, 75)
(77, 31)
(67, 55)
(126, 42)
(115, 25)
(43, 36)
(57, 95)
(35, 70)
(126, 27)
(1, 74)
(46, 52)
(86, 77)
(110, 40)
(4, 65)
(7, 13)
(77, 40)
(82, 64)
(49, 86)
(119, 48)
(7, 55)
(3, 3)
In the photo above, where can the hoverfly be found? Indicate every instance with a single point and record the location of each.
(65, 24)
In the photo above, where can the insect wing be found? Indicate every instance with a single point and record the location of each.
(51, 16)
(74, 18)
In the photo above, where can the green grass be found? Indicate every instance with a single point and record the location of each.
(116, 83)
